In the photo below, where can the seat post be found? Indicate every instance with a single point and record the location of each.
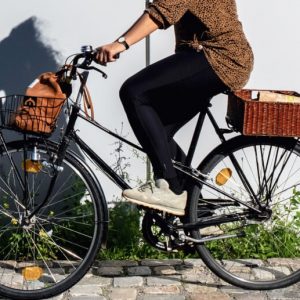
(195, 137)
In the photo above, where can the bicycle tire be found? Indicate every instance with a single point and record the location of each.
(55, 250)
(263, 259)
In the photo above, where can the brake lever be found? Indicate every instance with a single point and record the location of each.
(104, 75)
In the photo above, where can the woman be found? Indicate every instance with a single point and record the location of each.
(212, 55)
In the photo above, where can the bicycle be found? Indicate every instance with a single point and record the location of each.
(54, 216)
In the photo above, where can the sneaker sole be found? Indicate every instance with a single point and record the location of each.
(171, 210)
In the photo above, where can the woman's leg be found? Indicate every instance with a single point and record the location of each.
(162, 98)
(158, 101)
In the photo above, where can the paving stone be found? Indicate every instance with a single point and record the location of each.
(209, 296)
(96, 280)
(243, 263)
(59, 297)
(230, 289)
(264, 274)
(7, 271)
(197, 288)
(190, 269)
(199, 276)
(88, 298)
(289, 262)
(194, 262)
(161, 297)
(250, 296)
(163, 281)
(249, 276)
(283, 294)
(139, 271)
(171, 289)
(109, 271)
(85, 290)
(12, 279)
(164, 270)
(281, 271)
(8, 264)
(171, 280)
(128, 281)
(160, 262)
(123, 294)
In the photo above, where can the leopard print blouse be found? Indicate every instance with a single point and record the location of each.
(211, 26)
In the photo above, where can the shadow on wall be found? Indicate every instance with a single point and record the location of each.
(23, 56)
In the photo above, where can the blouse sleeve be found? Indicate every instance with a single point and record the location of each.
(167, 12)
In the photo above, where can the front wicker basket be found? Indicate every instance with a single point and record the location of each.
(36, 115)
(252, 117)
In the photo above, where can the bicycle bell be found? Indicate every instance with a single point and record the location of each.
(87, 49)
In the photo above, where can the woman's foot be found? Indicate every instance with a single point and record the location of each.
(158, 197)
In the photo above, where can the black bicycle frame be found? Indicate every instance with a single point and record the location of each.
(118, 180)
(70, 134)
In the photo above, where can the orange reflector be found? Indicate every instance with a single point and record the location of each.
(32, 166)
(32, 273)
(223, 176)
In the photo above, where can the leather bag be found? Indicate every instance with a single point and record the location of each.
(42, 104)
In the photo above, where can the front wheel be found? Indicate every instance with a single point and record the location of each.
(265, 252)
(42, 254)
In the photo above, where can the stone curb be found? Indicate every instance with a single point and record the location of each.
(163, 280)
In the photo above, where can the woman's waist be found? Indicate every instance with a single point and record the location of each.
(199, 40)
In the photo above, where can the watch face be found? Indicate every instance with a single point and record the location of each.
(122, 40)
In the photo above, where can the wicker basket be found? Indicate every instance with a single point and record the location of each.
(36, 115)
(252, 117)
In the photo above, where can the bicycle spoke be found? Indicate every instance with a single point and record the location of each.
(62, 249)
(43, 248)
(268, 243)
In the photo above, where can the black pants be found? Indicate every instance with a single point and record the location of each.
(163, 97)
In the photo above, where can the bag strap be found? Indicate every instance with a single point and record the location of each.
(87, 99)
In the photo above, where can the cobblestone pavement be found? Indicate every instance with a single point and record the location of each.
(163, 280)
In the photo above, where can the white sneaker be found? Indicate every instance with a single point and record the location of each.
(158, 197)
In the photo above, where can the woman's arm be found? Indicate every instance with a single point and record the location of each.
(139, 30)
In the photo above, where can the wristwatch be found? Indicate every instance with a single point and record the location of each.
(122, 41)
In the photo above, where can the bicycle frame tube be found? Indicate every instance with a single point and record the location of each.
(123, 185)
(117, 179)
(101, 164)
(96, 124)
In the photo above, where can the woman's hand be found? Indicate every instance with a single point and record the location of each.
(109, 53)
(139, 30)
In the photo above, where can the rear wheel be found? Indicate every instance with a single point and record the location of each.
(265, 254)
(44, 253)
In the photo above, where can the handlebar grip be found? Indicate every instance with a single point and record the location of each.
(117, 56)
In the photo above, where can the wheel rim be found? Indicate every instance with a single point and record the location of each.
(54, 245)
(268, 255)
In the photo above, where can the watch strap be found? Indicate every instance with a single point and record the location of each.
(122, 41)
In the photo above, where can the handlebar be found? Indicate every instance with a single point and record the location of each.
(88, 55)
